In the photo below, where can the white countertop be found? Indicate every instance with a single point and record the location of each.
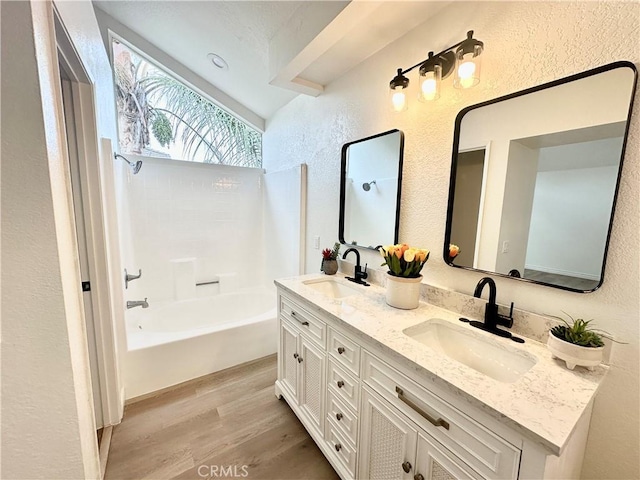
(544, 404)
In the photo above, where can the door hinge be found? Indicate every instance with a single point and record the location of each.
(86, 286)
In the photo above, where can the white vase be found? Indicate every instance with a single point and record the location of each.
(573, 354)
(403, 292)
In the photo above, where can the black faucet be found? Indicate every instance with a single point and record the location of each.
(491, 316)
(358, 274)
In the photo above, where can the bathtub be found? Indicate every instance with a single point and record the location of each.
(172, 342)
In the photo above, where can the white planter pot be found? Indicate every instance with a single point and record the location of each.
(403, 292)
(574, 355)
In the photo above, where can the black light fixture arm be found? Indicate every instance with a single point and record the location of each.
(439, 54)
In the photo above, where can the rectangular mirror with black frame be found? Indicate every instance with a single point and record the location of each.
(370, 185)
(535, 176)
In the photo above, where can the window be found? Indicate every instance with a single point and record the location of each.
(162, 117)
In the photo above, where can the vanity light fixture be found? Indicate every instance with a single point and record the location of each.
(463, 57)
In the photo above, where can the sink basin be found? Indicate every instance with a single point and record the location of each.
(485, 355)
(331, 288)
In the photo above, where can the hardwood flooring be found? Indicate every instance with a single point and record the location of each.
(225, 425)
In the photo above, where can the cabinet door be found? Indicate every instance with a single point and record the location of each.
(435, 462)
(288, 361)
(387, 441)
(312, 382)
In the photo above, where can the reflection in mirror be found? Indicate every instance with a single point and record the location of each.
(370, 190)
(534, 179)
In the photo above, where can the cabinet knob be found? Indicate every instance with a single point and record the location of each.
(295, 355)
(340, 350)
(418, 476)
(340, 383)
(299, 359)
(406, 466)
(338, 447)
(339, 416)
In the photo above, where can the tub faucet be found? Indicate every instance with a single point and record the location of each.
(138, 303)
(358, 274)
(491, 316)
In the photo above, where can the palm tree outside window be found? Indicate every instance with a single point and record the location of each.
(160, 116)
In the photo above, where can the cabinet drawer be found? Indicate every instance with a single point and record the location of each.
(481, 449)
(342, 448)
(343, 385)
(310, 325)
(342, 417)
(346, 352)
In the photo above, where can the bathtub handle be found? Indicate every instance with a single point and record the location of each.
(305, 323)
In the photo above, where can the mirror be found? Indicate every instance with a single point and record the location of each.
(534, 179)
(370, 182)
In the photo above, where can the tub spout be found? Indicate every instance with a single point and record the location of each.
(138, 303)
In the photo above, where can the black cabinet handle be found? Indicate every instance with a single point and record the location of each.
(340, 383)
(406, 466)
(340, 350)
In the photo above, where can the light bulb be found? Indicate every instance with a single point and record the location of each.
(466, 70)
(429, 89)
(398, 99)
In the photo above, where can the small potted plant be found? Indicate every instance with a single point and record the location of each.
(329, 263)
(403, 278)
(454, 251)
(576, 343)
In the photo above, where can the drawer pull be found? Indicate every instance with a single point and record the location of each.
(437, 422)
(295, 355)
(340, 350)
(301, 322)
(339, 416)
(300, 361)
(418, 476)
(406, 466)
(340, 383)
(338, 447)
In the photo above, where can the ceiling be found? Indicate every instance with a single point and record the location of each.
(275, 49)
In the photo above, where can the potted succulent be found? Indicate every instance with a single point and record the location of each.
(329, 263)
(576, 343)
(403, 278)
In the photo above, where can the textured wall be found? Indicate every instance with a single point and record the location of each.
(48, 429)
(527, 43)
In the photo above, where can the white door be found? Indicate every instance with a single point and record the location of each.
(387, 441)
(312, 382)
(79, 216)
(435, 462)
(288, 361)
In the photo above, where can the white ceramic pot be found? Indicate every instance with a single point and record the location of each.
(574, 355)
(403, 292)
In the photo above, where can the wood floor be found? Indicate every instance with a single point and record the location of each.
(226, 425)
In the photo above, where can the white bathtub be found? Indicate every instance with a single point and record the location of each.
(174, 342)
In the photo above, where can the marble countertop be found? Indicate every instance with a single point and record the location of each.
(544, 404)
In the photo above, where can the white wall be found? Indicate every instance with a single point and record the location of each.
(527, 43)
(561, 205)
(183, 210)
(48, 429)
(519, 189)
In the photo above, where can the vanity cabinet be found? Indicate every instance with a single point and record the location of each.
(373, 418)
(302, 363)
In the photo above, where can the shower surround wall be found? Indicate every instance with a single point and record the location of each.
(527, 43)
(191, 222)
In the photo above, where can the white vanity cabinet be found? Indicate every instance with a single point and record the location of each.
(302, 362)
(374, 418)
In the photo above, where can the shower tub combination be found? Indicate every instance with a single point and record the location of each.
(173, 342)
